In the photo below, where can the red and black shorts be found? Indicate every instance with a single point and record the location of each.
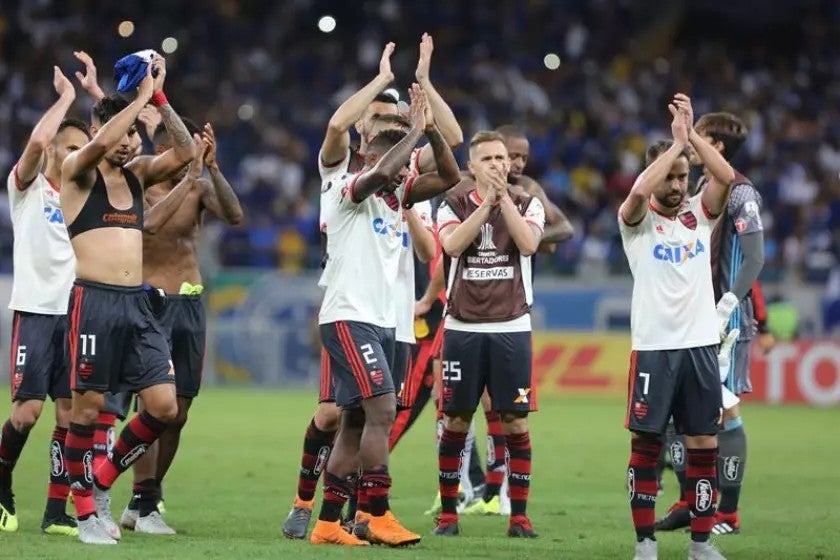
(38, 360)
(115, 342)
(684, 383)
(360, 360)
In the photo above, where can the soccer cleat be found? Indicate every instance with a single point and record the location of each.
(327, 532)
(678, 516)
(62, 525)
(520, 526)
(102, 500)
(646, 550)
(361, 525)
(704, 551)
(385, 529)
(480, 507)
(297, 522)
(129, 517)
(8, 519)
(436, 508)
(446, 525)
(726, 524)
(153, 524)
(93, 531)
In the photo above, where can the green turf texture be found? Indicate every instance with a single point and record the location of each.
(234, 479)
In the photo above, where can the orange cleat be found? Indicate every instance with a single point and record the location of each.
(326, 532)
(386, 529)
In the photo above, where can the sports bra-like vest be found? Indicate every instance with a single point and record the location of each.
(97, 211)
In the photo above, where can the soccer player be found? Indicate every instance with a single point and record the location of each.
(488, 234)
(357, 319)
(371, 111)
(44, 267)
(737, 259)
(171, 224)
(674, 325)
(114, 340)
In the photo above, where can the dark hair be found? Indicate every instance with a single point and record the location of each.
(385, 140)
(105, 109)
(162, 135)
(511, 131)
(385, 98)
(726, 128)
(74, 123)
(657, 149)
(393, 119)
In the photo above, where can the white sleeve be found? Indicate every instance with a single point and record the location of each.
(446, 216)
(328, 172)
(535, 213)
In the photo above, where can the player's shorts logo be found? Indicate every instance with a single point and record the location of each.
(677, 453)
(56, 459)
(640, 409)
(631, 482)
(523, 396)
(377, 376)
(703, 495)
(731, 466)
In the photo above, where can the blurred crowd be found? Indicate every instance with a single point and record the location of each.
(268, 80)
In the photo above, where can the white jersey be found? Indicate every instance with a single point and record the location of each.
(405, 277)
(44, 262)
(673, 295)
(364, 243)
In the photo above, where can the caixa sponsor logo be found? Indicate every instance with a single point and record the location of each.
(53, 215)
(390, 229)
(678, 254)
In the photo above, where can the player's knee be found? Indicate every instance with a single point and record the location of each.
(514, 422)
(25, 414)
(86, 415)
(353, 419)
(701, 442)
(645, 437)
(63, 409)
(382, 414)
(327, 417)
(458, 423)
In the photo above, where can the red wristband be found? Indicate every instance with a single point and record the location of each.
(159, 98)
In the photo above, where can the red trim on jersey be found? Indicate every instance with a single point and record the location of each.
(475, 197)
(631, 382)
(73, 333)
(56, 188)
(657, 211)
(13, 352)
(626, 222)
(416, 166)
(326, 375)
(18, 183)
(354, 358)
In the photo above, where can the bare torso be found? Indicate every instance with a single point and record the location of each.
(169, 256)
(111, 255)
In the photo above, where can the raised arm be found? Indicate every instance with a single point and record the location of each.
(443, 115)
(155, 169)
(337, 138)
(85, 159)
(716, 192)
(155, 216)
(218, 196)
(455, 237)
(525, 231)
(446, 176)
(634, 207)
(88, 80)
(31, 159)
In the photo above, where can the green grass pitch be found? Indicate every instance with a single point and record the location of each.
(233, 481)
